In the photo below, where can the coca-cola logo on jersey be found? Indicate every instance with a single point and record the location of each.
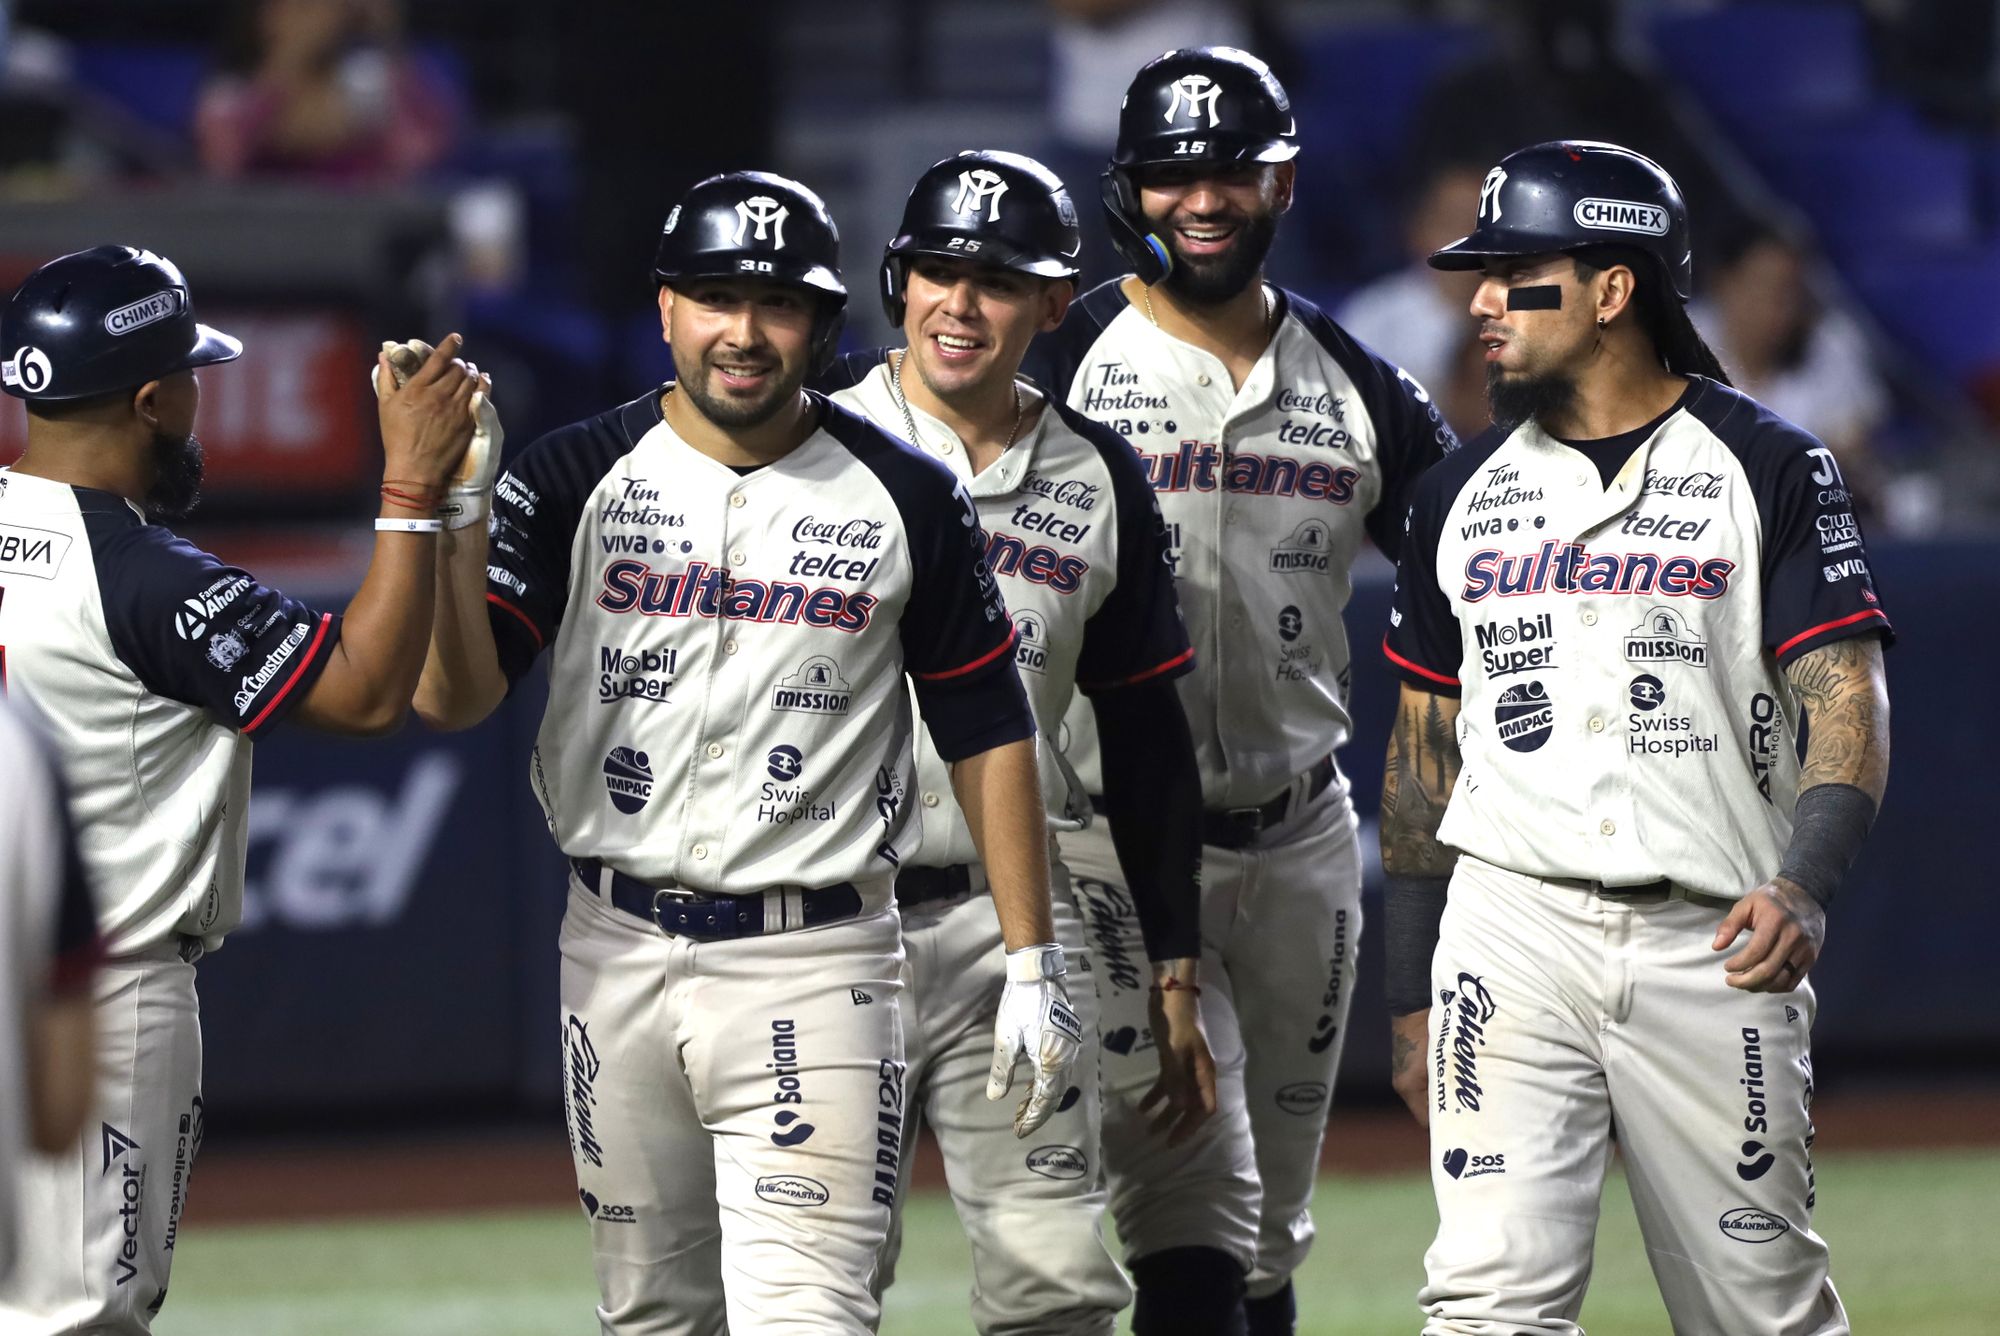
(1697, 485)
(863, 534)
(1072, 492)
(1326, 405)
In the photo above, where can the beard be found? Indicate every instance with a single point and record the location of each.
(1211, 280)
(1514, 401)
(177, 470)
(738, 414)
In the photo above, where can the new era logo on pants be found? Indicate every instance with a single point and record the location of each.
(861, 999)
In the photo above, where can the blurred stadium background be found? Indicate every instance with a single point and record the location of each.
(381, 1032)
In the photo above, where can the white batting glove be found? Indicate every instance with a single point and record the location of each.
(1035, 1022)
(469, 496)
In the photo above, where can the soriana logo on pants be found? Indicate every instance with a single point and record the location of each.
(293, 414)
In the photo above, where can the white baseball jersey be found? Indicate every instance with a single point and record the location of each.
(1266, 491)
(727, 710)
(1078, 545)
(153, 665)
(1617, 618)
(47, 934)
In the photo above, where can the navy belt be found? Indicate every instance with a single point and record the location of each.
(715, 918)
(1238, 827)
(1645, 893)
(922, 885)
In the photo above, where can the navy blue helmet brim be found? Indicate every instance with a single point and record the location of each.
(211, 345)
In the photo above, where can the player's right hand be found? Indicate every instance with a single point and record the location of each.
(1035, 1022)
(426, 416)
(1184, 1096)
(1407, 1036)
(469, 497)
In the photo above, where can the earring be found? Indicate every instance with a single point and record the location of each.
(1600, 322)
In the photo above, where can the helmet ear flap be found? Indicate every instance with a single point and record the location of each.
(826, 335)
(1149, 256)
(893, 302)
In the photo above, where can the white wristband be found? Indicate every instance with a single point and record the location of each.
(408, 526)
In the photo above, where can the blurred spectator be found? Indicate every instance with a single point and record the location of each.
(322, 89)
(1098, 44)
(1784, 347)
(1418, 317)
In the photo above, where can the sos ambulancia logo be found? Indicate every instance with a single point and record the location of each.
(628, 778)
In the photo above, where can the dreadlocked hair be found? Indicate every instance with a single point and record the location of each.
(1659, 311)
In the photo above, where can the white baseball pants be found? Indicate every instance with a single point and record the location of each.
(1033, 1210)
(735, 1116)
(99, 1222)
(1281, 931)
(1563, 1019)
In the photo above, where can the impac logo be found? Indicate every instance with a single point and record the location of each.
(1198, 93)
(979, 188)
(1524, 716)
(816, 688)
(147, 311)
(628, 778)
(764, 212)
(1621, 215)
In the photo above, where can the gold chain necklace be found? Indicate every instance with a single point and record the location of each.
(910, 423)
(1146, 295)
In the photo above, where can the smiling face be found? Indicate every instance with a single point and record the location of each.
(742, 347)
(969, 325)
(1219, 218)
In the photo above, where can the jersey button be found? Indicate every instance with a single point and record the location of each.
(1607, 827)
(729, 647)
(736, 558)
(736, 500)
(1201, 379)
(930, 800)
(701, 850)
(714, 751)
(1589, 618)
(1596, 724)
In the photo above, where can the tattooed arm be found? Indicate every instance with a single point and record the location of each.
(1846, 699)
(1417, 781)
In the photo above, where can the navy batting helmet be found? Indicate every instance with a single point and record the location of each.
(758, 225)
(1573, 194)
(1197, 104)
(102, 320)
(994, 208)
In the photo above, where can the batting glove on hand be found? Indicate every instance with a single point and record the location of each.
(1035, 1022)
(468, 497)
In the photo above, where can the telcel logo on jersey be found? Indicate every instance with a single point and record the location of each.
(816, 688)
(1571, 568)
(1522, 645)
(645, 675)
(1665, 637)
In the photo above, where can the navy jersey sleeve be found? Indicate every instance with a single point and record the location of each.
(1410, 433)
(958, 642)
(1817, 584)
(206, 634)
(1052, 359)
(538, 504)
(848, 370)
(1425, 643)
(1137, 633)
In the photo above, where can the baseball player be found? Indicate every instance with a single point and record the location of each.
(1273, 441)
(986, 258)
(154, 667)
(1611, 611)
(732, 577)
(48, 955)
